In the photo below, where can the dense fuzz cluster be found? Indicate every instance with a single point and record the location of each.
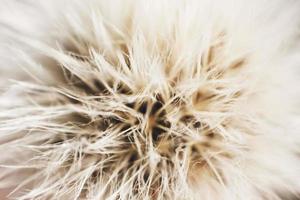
(155, 100)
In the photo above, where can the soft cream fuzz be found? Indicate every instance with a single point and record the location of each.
(125, 99)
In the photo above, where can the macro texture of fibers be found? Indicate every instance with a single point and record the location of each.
(154, 100)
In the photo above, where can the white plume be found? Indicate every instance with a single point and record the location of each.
(128, 99)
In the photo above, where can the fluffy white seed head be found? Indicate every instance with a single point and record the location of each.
(151, 100)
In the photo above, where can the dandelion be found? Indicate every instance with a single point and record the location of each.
(152, 100)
